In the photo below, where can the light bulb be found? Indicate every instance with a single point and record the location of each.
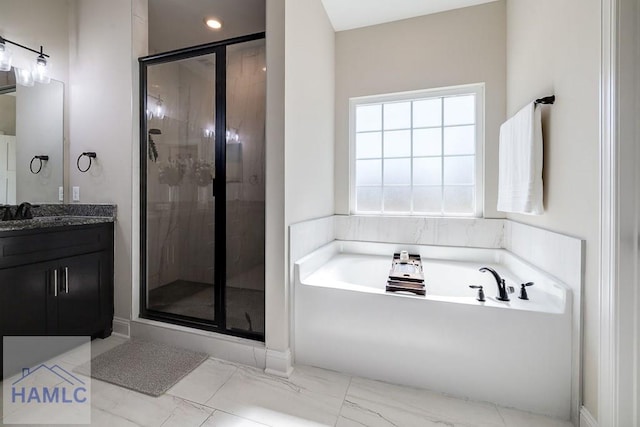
(232, 136)
(5, 57)
(159, 112)
(23, 77)
(40, 70)
(213, 23)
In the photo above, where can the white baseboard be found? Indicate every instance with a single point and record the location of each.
(279, 363)
(122, 327)
(586, 419)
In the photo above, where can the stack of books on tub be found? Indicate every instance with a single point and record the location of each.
(406, 274)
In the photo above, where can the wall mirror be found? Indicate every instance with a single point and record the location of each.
(31, 141)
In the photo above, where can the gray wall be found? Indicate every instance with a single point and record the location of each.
(39, 131)
(8, 114)
(451, 48)
(554, 47)
(103, 119)
(42, 22)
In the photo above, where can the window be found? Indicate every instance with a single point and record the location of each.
(418, 153)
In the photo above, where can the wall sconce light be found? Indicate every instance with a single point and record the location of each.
(209, 132)
(232, 136)
(5, 56)
(23, 77)
(40, 71)
(157, 111)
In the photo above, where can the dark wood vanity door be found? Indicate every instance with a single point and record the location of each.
(83, 294)
(27, 299)
(79, 260)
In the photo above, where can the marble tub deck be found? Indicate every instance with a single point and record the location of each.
(223, 394)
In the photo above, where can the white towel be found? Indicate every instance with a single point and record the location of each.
(520, 163)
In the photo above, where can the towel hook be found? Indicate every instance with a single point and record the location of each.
(42, 159)
(91, 155)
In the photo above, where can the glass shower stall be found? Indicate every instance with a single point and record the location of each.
(202, 186)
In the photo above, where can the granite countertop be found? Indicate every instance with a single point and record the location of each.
(48, 216)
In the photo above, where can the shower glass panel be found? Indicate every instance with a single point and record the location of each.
(180, 204)
(245, 160)
(202, 186)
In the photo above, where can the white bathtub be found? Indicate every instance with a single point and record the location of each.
(516, 354)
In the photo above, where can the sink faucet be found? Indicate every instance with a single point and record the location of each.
(503, 294)
(7, 216)
(24, 211)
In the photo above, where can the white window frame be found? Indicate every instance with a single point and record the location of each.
(477, 89)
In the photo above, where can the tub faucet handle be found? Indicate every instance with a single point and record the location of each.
(480, 292)
(523, 290)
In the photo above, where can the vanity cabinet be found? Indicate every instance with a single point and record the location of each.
(24, 301)
(84, 281)
(57, 281)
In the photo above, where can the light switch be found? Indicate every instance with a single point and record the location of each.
(76, 194)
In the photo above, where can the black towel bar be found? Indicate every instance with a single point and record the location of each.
(546, 100)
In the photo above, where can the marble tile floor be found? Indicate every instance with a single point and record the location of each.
(224, 394)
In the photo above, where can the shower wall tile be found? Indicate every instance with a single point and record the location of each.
(245, 244)
(561, 256)
(471, 232)
(557, 254)
(162, 246)
(307, 236)
(196, 248)
(181, 239)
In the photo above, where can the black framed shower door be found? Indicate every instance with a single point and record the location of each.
(202, 113)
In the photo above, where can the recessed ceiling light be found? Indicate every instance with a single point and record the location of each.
(213, 23)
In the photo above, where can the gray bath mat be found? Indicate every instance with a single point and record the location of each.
(144, 366)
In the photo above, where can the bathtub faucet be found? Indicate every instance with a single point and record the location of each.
(503, 290)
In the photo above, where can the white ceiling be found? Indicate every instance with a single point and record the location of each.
(349, 14)
(175, 24)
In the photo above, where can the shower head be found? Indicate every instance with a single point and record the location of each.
(155, 131)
